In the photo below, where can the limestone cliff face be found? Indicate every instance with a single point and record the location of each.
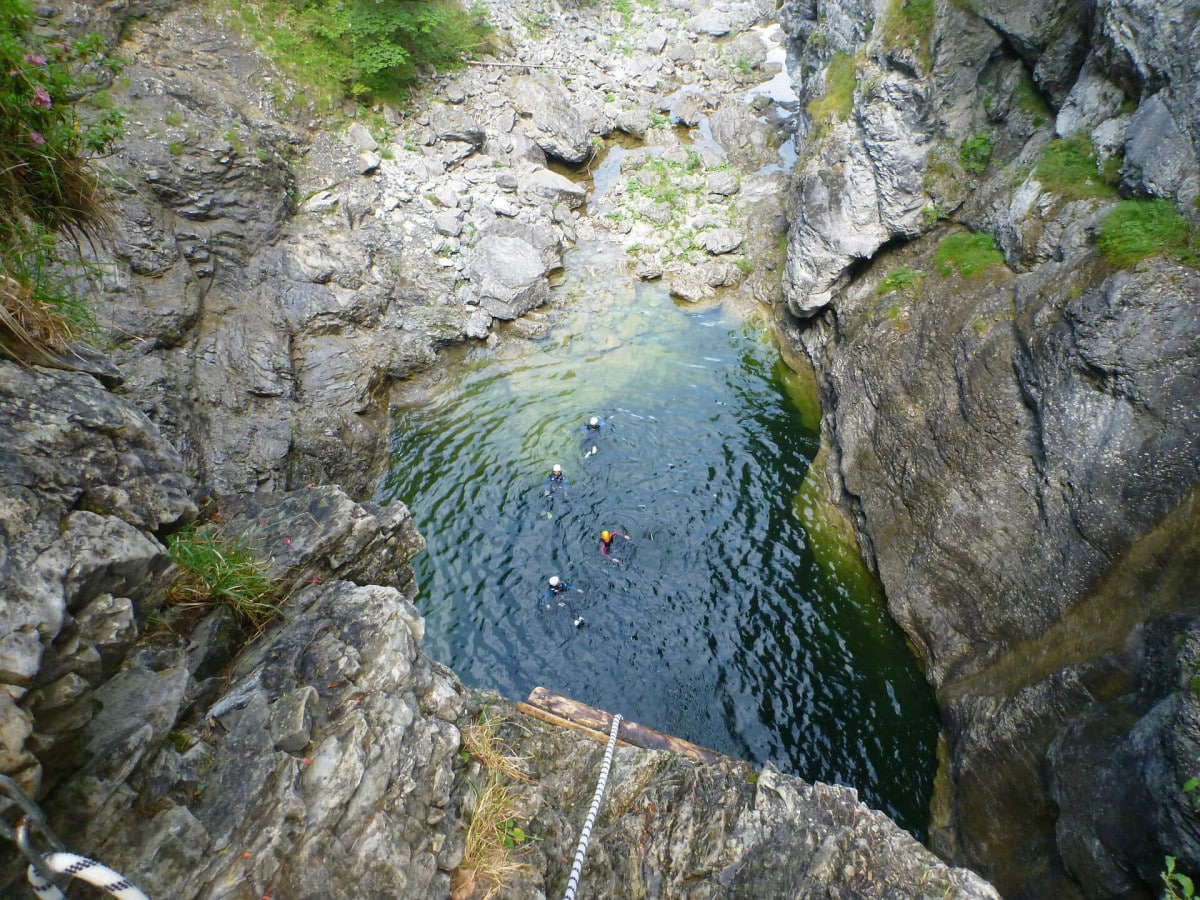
(1018, 449)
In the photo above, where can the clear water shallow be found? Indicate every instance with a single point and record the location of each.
(720, 625)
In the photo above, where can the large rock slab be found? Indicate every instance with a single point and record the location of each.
(509, 275)
(550, 118)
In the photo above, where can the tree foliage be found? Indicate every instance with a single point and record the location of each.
(370, 48)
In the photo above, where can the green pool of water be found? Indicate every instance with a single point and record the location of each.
(732, 619)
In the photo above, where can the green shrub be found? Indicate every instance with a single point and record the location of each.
(970, 253)
(838, 101)
(219, 570)
(976, 152)
(366, 49)
(899, 279)
(1069, 168)
(47, 187)
(1135, 229)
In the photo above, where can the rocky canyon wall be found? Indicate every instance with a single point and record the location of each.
(1018, 447)
(266, 283)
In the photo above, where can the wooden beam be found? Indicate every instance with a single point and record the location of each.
(598, 723)
(551, 719)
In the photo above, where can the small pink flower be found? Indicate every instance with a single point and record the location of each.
(40, 98)
(13, 73)
(36, 137)
(34, 60)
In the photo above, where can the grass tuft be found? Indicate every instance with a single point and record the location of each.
(1136, 229)
(489, 862)
(1069, 168)
(492, 856)
(481, 740)
(220, 570)
(969, 253)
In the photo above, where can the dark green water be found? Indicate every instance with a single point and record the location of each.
(720, 624)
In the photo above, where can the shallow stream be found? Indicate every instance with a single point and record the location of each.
(730, 620)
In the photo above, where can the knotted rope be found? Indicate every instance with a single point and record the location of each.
(586, 834)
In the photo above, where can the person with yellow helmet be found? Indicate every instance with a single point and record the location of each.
(606, 542)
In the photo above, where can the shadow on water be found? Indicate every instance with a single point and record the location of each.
(719, 623)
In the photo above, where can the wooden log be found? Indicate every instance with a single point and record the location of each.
(598, 721)
(551, 719)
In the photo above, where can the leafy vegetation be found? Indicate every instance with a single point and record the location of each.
(364, 49)
(1178, 885)
(969, 253)
(1068, 168)
(908, 25)
(838, 101)
(976, 152)
(47, 187)
(899, 279)
(1136, 229)
(220, 570)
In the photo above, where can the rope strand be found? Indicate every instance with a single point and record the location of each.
(586, 834)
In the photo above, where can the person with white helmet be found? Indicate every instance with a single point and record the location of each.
(591, 430)
(558, 587)
(555, 481)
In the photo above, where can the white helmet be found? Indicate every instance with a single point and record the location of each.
(557, 469)
(554, 582)
(594, 422)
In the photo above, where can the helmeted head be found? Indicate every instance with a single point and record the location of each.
(554, 581)
(594, 422)
(557, 470)
(604, 535)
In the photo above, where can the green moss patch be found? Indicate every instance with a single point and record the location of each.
(968, 253)
(1069, 168)
(838, 101)
(1136, 229)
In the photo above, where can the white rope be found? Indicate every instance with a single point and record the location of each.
(85, 869)
(586, 834)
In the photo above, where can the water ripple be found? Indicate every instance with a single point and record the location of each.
(717, 624)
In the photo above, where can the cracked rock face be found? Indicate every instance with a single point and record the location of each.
(1017, 449)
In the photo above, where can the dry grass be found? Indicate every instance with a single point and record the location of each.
(494, 843)
(491, 858)
(482, 741)
(32, 331)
